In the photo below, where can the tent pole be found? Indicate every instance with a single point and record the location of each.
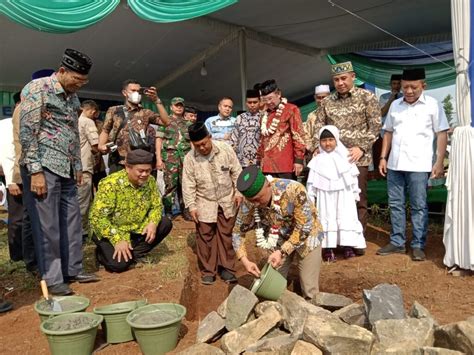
(243, 65)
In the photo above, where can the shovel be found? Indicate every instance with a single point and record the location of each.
(54, 304)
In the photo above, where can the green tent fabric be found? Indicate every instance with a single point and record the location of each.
(175, 10)
(57, 16)
(6, 98)
(378, 73)
(377, 193)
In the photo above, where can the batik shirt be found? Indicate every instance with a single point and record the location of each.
(120, 208)
(139, 119)
(290, 211)
(279, 151)
(175, 137)
(358, 118)
(311, 133)
(245, 138)
(49, 134)
(220, 128)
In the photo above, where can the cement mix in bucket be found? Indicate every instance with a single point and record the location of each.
(66, 305)
(77, 322)
(156, 317)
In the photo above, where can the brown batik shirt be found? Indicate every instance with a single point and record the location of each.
(139, 119)
(357, 116)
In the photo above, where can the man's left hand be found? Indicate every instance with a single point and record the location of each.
(150, 232)
(238, 200)
(152, 94)
(355, 153)
(438, 171)
(297, 168)
(14, 190)
(275, 259)
(79, 178)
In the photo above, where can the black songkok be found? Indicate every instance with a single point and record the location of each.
(413, 74)
(76, 61)
(139, 156)
(197, 131)
(189, 109)
(396, 77)
(252, 94)
(267, 87)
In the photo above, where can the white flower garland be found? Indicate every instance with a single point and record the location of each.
(262, 242)
(276, 120)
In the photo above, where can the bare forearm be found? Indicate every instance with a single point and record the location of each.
(165, 119)
(103, 138)
(386, 144)
(442, 142)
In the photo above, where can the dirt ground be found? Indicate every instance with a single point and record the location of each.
(449, 298)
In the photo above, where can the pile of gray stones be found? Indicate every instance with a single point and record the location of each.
(328, 324)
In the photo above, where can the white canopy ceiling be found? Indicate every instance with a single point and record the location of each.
(278, 31)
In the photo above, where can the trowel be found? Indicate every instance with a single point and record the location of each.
(54, 304)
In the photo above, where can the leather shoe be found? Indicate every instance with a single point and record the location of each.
(82, 278)
(61, 289)
(418, 255)
(5, 306)
(208, 280)
(228, 277)
(391, 249)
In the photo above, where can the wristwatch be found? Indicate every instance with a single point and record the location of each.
(382, 158)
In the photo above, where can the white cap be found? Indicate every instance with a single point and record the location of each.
(320, 89)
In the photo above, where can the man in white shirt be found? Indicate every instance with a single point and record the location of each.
(220, 127)
(411, 125)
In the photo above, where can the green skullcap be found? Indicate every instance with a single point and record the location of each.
(250, 181)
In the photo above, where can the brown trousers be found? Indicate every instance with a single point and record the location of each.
(362, 203)
(214, 245)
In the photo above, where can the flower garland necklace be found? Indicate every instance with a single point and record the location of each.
(276, 120)
(271, 241)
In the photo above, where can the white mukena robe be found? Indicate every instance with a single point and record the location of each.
(332, 185)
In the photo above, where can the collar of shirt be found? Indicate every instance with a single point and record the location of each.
(349, 94)
(133, 108)
(421, 99)
(220, 118)
(58, 88)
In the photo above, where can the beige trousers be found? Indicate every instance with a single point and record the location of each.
(308, 269)
(84, 195)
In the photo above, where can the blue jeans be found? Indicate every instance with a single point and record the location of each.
(398, 184)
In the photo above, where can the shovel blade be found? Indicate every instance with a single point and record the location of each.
(55, 305)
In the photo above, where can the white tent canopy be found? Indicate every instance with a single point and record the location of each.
(285, 40)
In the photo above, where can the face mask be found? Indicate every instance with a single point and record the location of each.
(134, 97)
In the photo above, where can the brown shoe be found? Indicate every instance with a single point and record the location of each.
(418, 255)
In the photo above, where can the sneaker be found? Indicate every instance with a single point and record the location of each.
(418, 255)
(208, 280)
(349, 253)
(61, 289)
(5, 306)
(228, 277)
(329, 255)
(391, 249)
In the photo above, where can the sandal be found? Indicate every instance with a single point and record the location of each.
(349, 252)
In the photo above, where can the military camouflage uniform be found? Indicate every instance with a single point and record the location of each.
(176, 145)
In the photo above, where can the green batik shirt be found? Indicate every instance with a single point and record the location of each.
(175, 137)
(120, 208)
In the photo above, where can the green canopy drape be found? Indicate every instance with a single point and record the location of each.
(57, 16)
(378, 73)
(175, 10)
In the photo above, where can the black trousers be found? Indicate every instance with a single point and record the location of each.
(20, 239)
(105, 250)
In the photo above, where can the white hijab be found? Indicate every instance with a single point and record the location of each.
(332, 170)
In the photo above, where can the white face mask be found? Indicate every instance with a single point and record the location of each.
(134, 97)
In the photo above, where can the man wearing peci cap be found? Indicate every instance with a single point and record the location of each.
(190, 114)
(245, 136)
(286, 226)
(356, 113)
(320, 93)
(411, 125)
(282, 145)
(210, 172)
(172, 144)
(51, 167)
(126, 216)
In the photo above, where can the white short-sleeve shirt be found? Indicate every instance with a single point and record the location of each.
(413, 127)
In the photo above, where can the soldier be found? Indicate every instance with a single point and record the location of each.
(172, 145)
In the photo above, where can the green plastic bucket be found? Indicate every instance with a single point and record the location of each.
(69, 304)
(72, 340)
(156, 326)
(115, 325)
(270, 285)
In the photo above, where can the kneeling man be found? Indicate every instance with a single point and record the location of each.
(286, 225)
(126, 216)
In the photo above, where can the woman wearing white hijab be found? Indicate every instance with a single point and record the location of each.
(332, 186)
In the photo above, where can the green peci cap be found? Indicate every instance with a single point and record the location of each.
(250, 181)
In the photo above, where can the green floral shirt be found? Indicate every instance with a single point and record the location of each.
(120, 208)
